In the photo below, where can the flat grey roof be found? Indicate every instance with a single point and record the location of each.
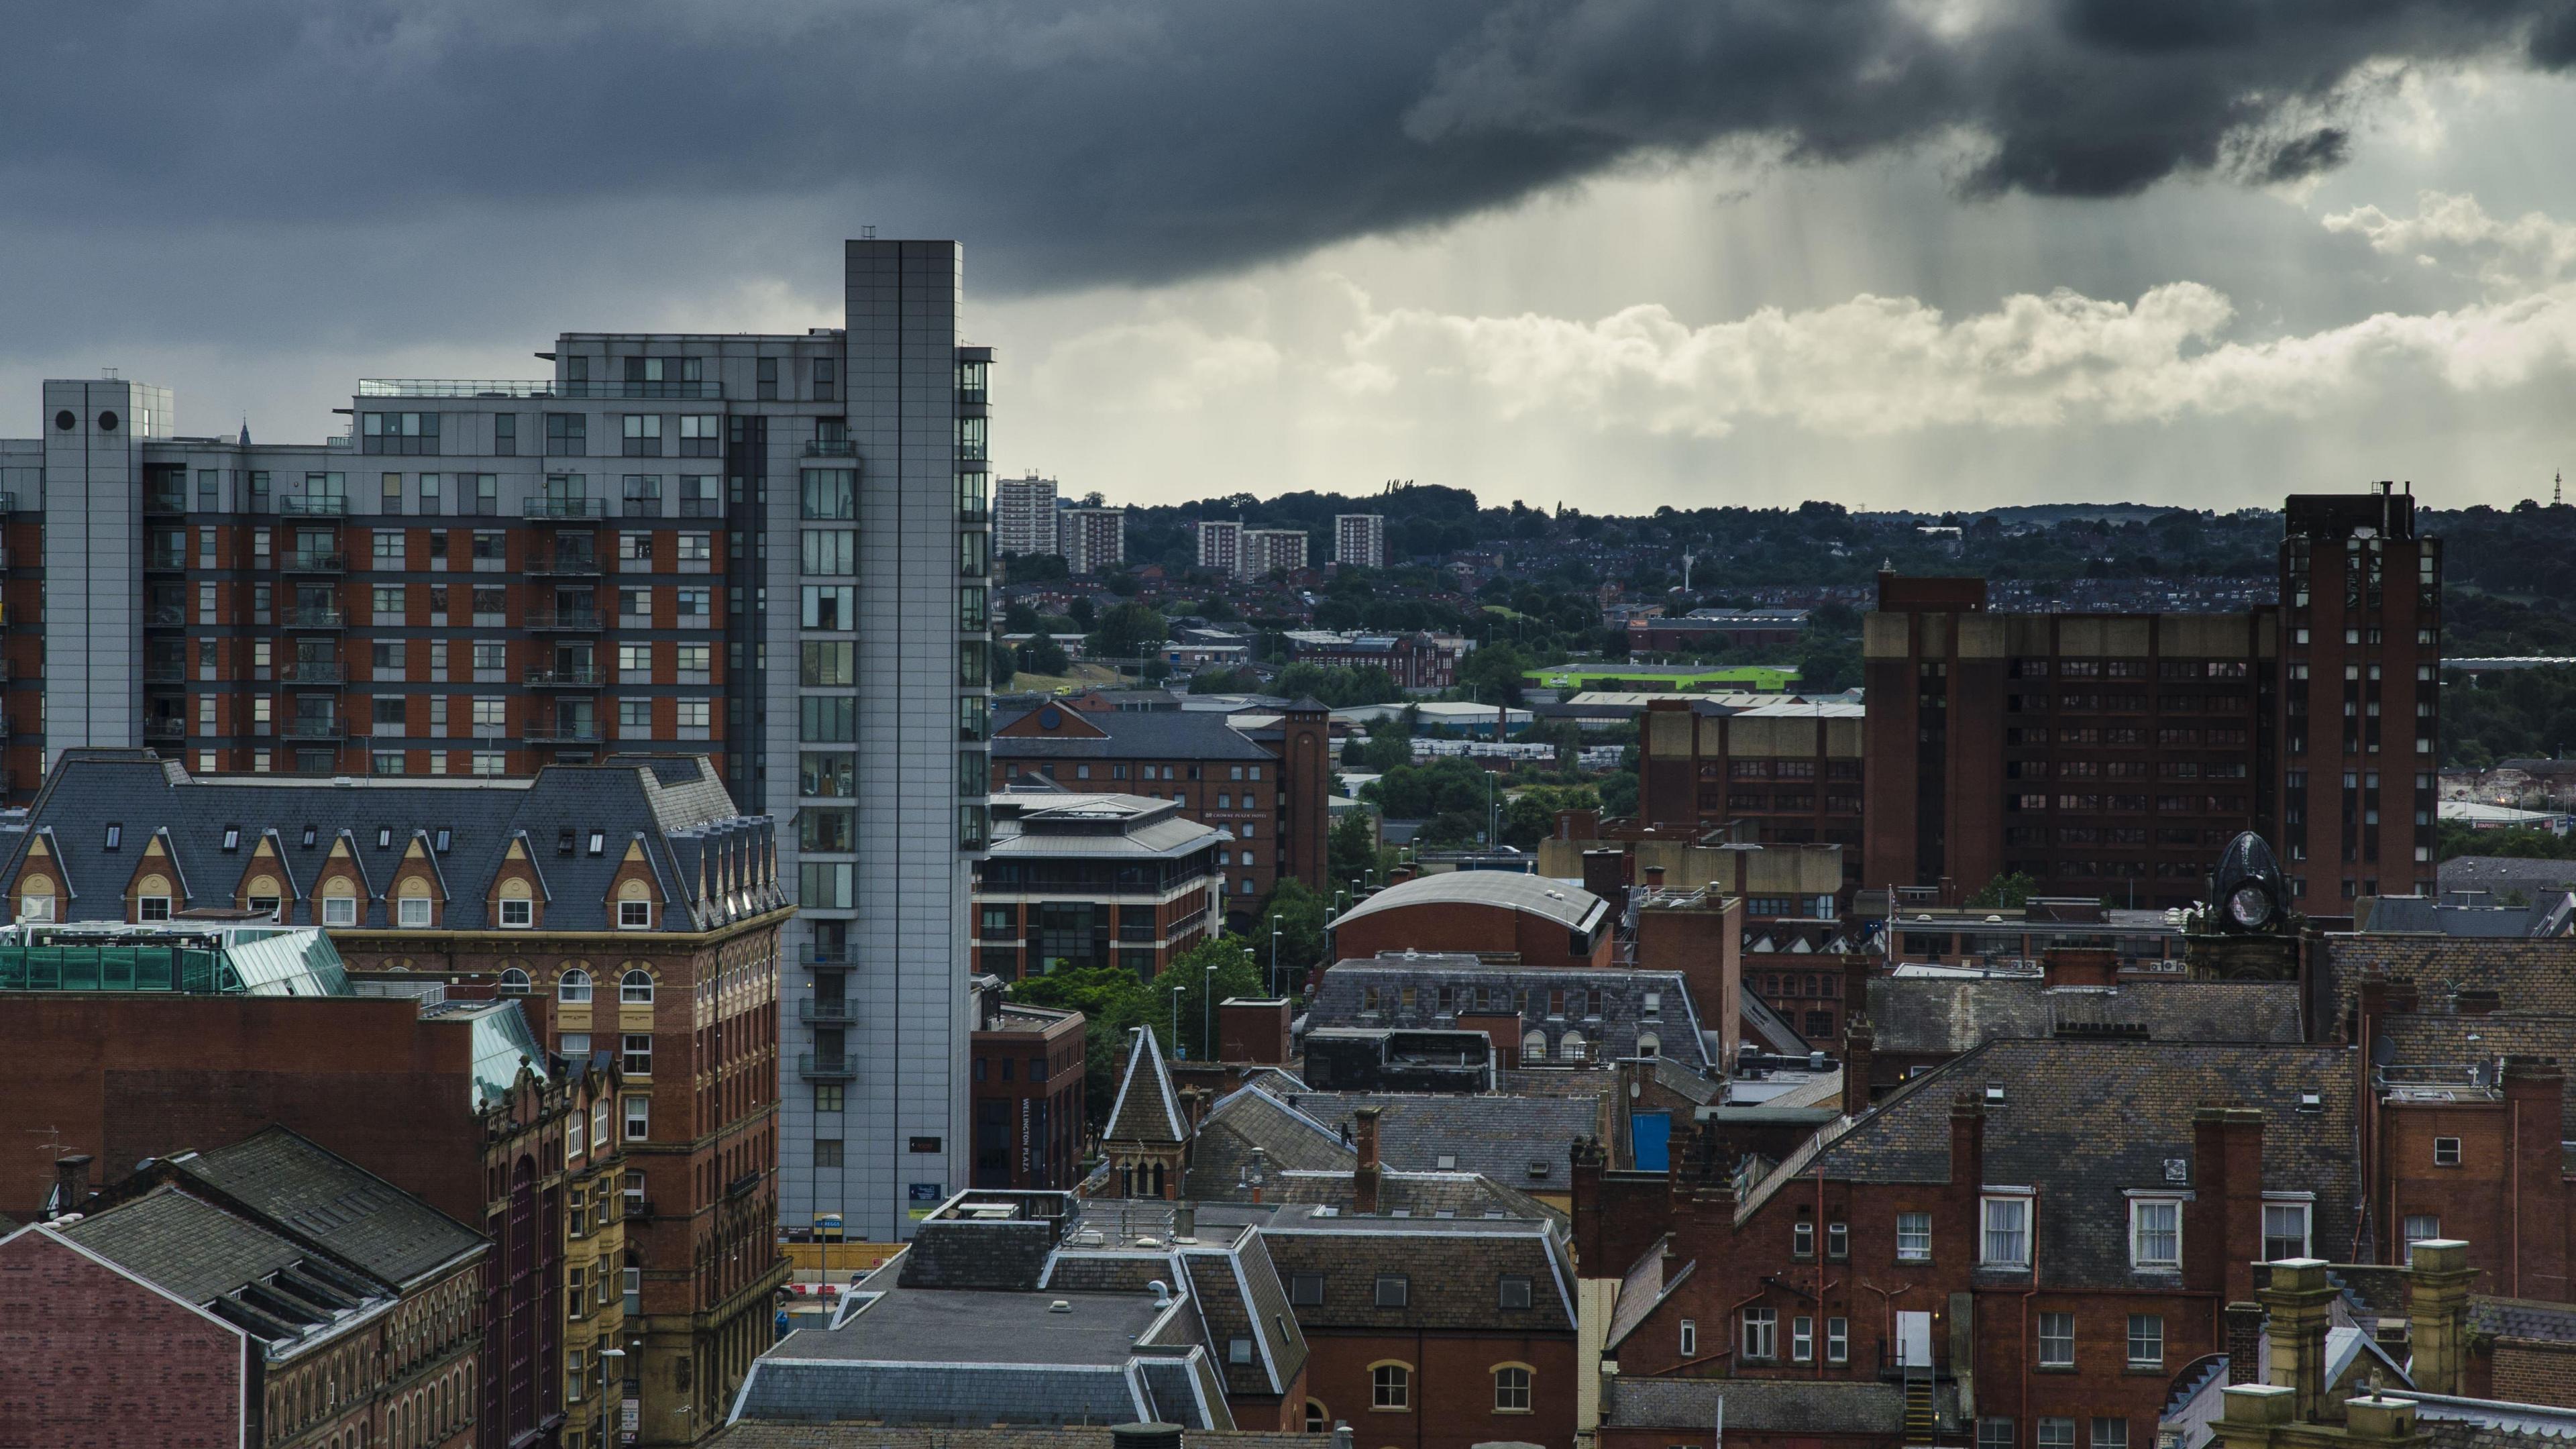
(959, 1325)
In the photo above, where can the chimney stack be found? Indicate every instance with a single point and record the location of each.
(2437, 1312)
(2244, 1343)
(1364, 1176)
(2076, 966)
(2297, 1300)
(1967, 1140)
(71, 1183)
(1654, 877)
(1859, 1042)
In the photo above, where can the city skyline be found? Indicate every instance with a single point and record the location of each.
(2294, 251)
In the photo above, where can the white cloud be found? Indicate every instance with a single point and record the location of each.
(2456, 231)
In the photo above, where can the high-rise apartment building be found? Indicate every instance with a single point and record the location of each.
(1093, 539)
(770, 549)
(1024, 516)
(1359, 540)
(1220, 543)
(1268, 550)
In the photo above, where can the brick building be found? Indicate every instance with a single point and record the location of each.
(1075, 881)
(2115, 755)
(1024, 516)
(625, 908)
(1267, 790)
(1028, 1094)
(1704, 630)
(1359, 540)
(1417, 661)
(1792, 773)
(1219, 544)
(266, 1293)
(1266, 551)
(1092, 540)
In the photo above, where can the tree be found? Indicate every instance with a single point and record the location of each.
(1619, 794)
(1113, 1000)
(1352, 849)
(2454, 839)
(1082, 612)
(2005, 892)
(1234, 975)
(1494, 673)
(1042, 655)
(1019, 617)
(1527, 821)
(1004, 664)
(1126, 631)
(1298, 913)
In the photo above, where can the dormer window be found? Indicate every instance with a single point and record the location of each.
(339, 910)
(115, 835)
(232, 837)
(2155, 1233)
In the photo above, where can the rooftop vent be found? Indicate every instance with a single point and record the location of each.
(1994, 1092)
(1065, 1305)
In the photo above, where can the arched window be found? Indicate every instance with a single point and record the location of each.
(1511, 1388)
(1649, 1044)
(573, 985)
(514, 982)
(636, 988)
(1534, 1047)
(1390, 1386)
(1318, 1418)
(1570, 1046)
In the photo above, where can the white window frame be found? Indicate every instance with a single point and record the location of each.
(2432, 1225)
(638, 1111)
(1909, 1252)
(2157, 1322)
(1837, 1340)
(409, 906)
(524, 912)
(151, 908)
(1802, 1339)
(631, 992)
(1690, 1338)
(2044, 1338)
(634, 915)
(576, 987)
(1987, 1228)
(2141, 1211)
(1761, 1329)
(339, 910)
(2307, 1224)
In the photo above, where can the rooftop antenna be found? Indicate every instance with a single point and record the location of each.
(2557, 489)
(867, 233)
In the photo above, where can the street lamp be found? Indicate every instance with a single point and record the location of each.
(1274, 955)
(1207, 1015)
(1176, 1017)
(607, 1358)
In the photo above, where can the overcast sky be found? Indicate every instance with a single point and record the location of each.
(1612, 253)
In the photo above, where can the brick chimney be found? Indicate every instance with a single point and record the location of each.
(1654, 877)
(1967, 1141)
(1860, 1041)
(1605, 873)
(2244, 1343)
(2224, 1232)
(1858, 968)
(2296, 1301)
(1364, 1176)
(1578, 825)
(2535, 1108)
(2437, 1313)
(2078, 966)
(71, 1183)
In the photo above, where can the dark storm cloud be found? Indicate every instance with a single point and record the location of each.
(1088, 140)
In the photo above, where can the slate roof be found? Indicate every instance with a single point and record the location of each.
(1759, 1022)
(747, 1434)
(2523, 1318)
(358, 1216)
(189, 1247)
(1146, 1109)
(1525, 1143)
(2085, 1121)
(2505, 873)
(1414, 1195)
(1133, 735)
(2425, 1039)
(2535, 978)
(1615, 1002)
(1239, 1295)
(1452, 1271)
(1570, 906)
(1783, 1404)
(678, 809)
(1305, 1160)
(1932, 1014)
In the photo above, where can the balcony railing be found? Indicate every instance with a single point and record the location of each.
(831, 448)
(321, 506)
(565, 563)
(826, 1067)
(838, 1011)
(165, 558)
(537, 387)
(314, 561)
(303, 671)
(565, 508)
(743, 1184)
(563, 618)
(826, 956)
(316, 618)
(154, 673)
(165, 729)
(165, 615)
(312, 729)
(559, 732)
(163, 501)
(585, 677)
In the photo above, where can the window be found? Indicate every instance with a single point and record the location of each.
(567, 434)
(1802, 1339)
(1390, 1386)
(574, 1300)
(574, 987)
(1690, 1338)
(1913, 1237)
(2446, 1152)
(575, 1046)
(2110, 1434)
(827, 1151)
(639, 1118)
(1761, 1333)
(2007, 1232)
(2285, 1231)
(1238, 1350)
(1513, 1291)
(339, 910)
(1511, 1390)
(152, 908)
(2056, 1434)
(518, 915)
(412, 913)
(1837, 1340)
(2420, 1227)
(2146, 1340)
(1995, 1434)
(1802, 1239)
(634, 915)
(635, 988)
(643, 437)
(636, 1053)
(116, 835)
(830, 494)
(1305, 1290)
(514, 982)
(2155, 1233)
(1393, 1290)
(2057, 1340)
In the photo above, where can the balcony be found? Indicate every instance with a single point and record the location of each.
(165, 560)
(836, 1012)
(165, 729)
(152, 673)
(323, 506)
(564, 732)
(543, 508)
(312, 729)
(826, 955)
(311, 671)
(162, 500)
(826, 1067)
(304, 561)
(565, 563)
(831, 448)
(317, 617)
(533, 387)
(742, 1186)
(560, 619)
(583, 677)
(699, 391)
(165, 616)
